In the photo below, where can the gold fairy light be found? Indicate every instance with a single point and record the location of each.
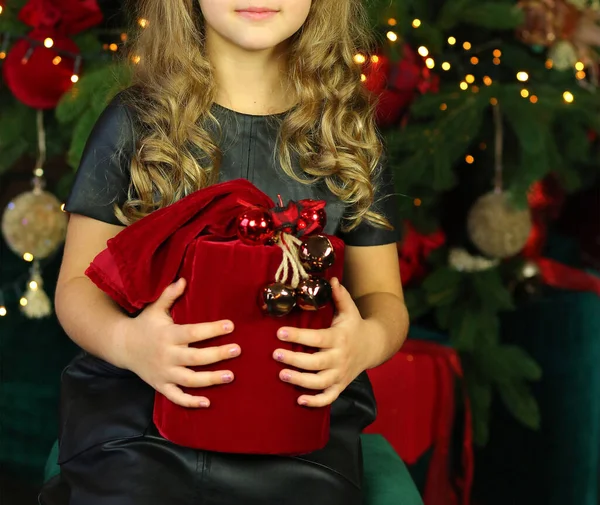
(360, 58)
(423, 51)
(524, 93)
(522, 76)
(446, 66)
(392, 36)
(416, 23)
(568, 97)
(451, 41)
(429, 63)
(48, 42)
(467, 46)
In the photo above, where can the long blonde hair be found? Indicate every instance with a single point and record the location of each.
(331, 128)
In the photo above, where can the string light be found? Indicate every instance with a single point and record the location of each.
(524, 93)
(57, 60)
(446, 66)
(417, 202)
(496, 61)
(363, 77)
(392, 22)
(143, 22)
(2, 311)
(497, 53)
(466, 46)
(62, 207)
(533, 99)
(48, 42)
(416, 23)
(374, 58)
(423, 51)
(430, 63)
(487, 80)
(124, 37)
(549, 63)
(33, 286)
(23, 301)
(38, 172)
(28, 257)
(522, 76)
(113, 47)
(469, 159)
(74, 78)
(493, 101)
(580, 75)
(360, 58)
(579, 66)
(1, 9)
(470, 78)
(464, 85)
(136, 59)
(474, 60)
(451, 41)
(443, 106)
(392, 36)
(568, 97)
(475, 89)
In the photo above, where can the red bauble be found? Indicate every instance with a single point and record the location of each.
(38, 82)
(255, 227)
(277, 299)
(313, 293)
(316, 253)
(316, 218)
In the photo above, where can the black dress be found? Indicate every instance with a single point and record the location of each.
(110, 451)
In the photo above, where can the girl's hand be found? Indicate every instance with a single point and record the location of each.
(342, 354)
(157, 350)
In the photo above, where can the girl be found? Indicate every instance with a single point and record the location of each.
(261, 89)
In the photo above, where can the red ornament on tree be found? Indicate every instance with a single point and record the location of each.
(398, 83)
(255, 227)
(37, 75)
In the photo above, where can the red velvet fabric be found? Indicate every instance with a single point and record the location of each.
(195, 238)
(415, 399)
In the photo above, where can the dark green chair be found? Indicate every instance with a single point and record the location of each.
(387, 481)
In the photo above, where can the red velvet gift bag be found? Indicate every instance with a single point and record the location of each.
(195, 238)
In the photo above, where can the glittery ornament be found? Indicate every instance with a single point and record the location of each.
(316, 253)
(34, 223)
(255, 227)
(313, 293)
(496, 227)
(277, 299)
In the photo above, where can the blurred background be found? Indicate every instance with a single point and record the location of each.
(491, 116)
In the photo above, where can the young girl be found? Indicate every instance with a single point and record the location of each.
(265, 90)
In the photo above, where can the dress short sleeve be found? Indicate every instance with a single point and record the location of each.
(103, 176)
(367, 234)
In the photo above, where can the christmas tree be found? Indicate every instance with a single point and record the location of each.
(486, 107)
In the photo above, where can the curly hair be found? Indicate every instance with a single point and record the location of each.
(331, 128)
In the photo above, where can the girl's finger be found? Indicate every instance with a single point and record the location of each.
(319, 381)
(327, 397)
(318, 361)
(177, 396)
(190, 356)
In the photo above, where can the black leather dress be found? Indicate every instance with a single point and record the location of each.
(110, 451)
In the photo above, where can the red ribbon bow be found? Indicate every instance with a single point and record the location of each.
(67, 17)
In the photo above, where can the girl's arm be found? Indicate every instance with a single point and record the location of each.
(151, 344)
(372, 277)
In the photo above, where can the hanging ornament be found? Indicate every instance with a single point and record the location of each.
(316, 253)
(34, 226)
(255, 227)
(529, 283)
(277, 299)
(563, 55)
(37, 75)
(313, 293)
(539, 27)
(496, 227)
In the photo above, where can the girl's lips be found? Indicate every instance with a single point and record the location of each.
(257, 14)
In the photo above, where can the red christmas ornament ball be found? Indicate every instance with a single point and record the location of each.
(313, 293)
(255, 227)
(315, 220)
(36, 75)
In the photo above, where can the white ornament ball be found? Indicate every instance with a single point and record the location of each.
(496, 227)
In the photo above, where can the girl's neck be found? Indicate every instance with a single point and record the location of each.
(249, 82)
